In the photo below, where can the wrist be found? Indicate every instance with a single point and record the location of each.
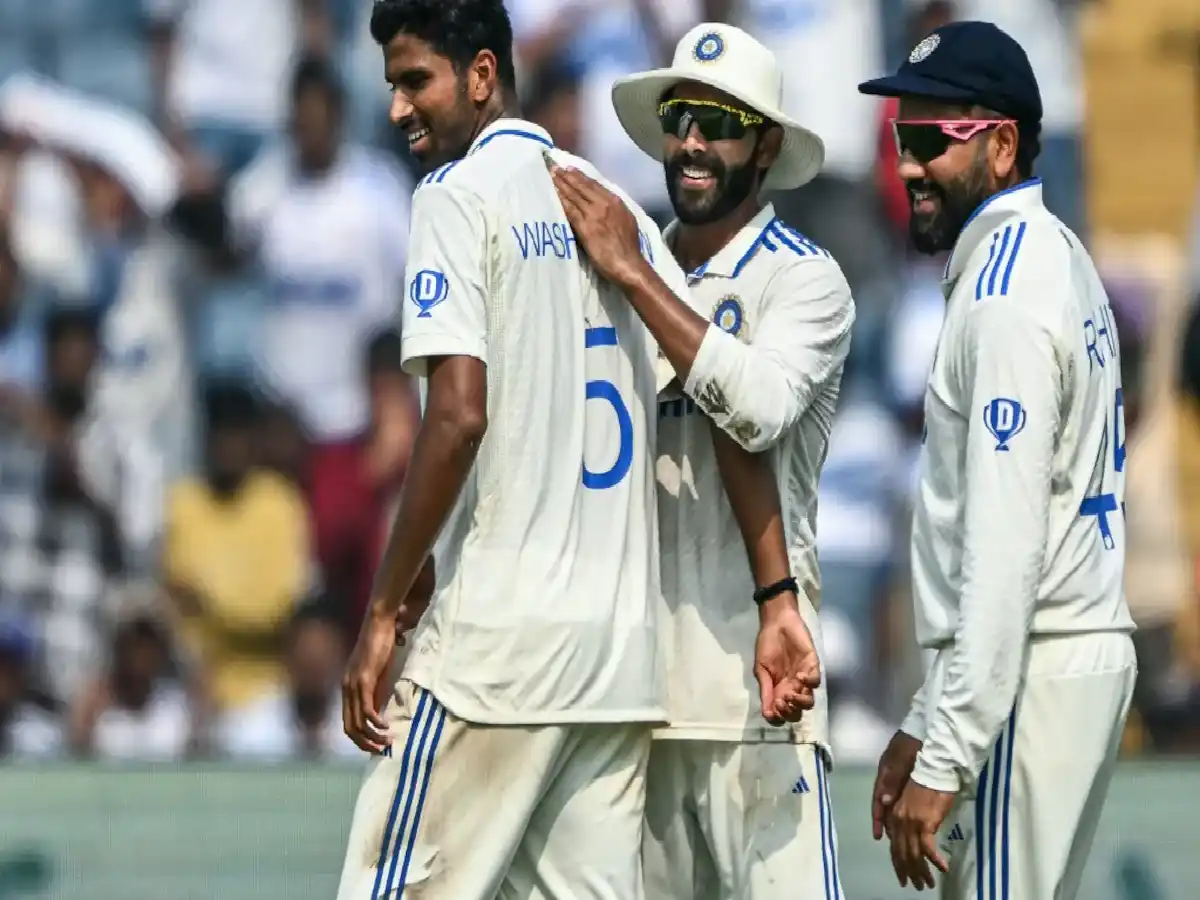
(631, 276)
(781, 604)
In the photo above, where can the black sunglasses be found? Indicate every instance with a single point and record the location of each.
(715, 121)
(927, 139)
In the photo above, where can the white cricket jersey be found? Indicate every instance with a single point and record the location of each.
(548, 601)
(1019, 524)
(768, 372)
(331, 250)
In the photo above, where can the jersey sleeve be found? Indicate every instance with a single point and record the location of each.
(755, 392)
(1012, 383)
(444, 310)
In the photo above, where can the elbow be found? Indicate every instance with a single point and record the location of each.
(755, 434)
(460, 426)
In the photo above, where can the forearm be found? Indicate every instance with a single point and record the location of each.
(982, 675)
(443, 454)
(754, 497)
(677, 328)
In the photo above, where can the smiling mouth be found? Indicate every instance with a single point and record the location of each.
(696, 177)
(418, 139)
(923, 201)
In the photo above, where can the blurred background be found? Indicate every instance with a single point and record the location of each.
(204, 423)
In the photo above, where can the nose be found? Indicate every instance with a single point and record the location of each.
(694, 142)
(401, 109)
(909, 169)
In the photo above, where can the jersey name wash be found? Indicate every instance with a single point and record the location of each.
(1019, 524)
(547, 607)
(769, 374)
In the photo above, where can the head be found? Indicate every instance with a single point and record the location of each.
(952, 159)
(449, 64)
(232, 412)
(72, 348)
(716, 151)
(967, 128)
(141, 654)
(553, 101)
(315, 655)
(318, 105)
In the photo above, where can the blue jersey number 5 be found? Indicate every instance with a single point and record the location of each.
(602, 389)
(1104, 504)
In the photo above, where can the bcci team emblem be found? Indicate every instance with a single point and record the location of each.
(427, 289)
(729, 315)
(1004, 418)
(709, 48)
(923, 49)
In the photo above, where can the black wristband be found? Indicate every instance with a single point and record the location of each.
(771, 591)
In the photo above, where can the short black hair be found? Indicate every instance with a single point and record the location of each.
(229, 405)
(455, 29)
(320, 609)
(315, 72)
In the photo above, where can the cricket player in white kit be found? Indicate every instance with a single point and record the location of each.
(512, 754)
(1000, 771)
(736, 809)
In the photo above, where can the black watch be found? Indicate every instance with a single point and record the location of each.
(771, 591)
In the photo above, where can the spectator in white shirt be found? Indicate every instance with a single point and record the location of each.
(136, 709)
(326, 222)
(302, 720)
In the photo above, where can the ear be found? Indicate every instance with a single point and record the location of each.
(1003, 150)
(482, 77)
(769, 147)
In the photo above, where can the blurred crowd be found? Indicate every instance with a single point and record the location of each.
(203, 419)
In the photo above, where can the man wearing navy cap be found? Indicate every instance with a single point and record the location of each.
(998, 774)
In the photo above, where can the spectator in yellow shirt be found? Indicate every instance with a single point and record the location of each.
(237, 555)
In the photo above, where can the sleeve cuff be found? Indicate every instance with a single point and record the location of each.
(415, 350)
(705, 363)
(935, 779)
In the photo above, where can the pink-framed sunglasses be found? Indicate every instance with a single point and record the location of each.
(927, 139)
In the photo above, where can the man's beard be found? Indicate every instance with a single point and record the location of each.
(958, 200)
(732, 187)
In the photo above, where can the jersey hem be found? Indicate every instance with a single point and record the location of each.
(724, 734)
(650, 717)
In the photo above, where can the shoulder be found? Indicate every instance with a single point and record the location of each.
(186, 496)
(1025, 260)
(800, 268)
(270, 487)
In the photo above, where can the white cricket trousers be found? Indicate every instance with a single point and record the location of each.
(1026, 830)
(461, 811)
(728, 821)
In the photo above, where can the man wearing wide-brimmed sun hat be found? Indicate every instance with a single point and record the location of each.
(758, 347)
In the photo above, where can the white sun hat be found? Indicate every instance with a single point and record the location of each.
(730, 60)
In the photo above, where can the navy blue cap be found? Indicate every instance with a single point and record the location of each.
(971, 63)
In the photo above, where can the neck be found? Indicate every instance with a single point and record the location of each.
(697, 244)
(503, 108)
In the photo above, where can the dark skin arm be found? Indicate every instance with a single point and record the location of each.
(444, 451)
(614, 249)
(785, 664)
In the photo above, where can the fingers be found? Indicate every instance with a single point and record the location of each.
(766, 695)
(929, 849)
(362, 724)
